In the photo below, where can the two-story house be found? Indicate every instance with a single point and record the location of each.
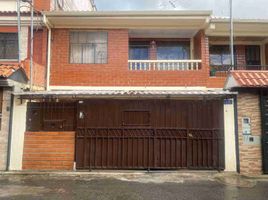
(137, 90)
(126, 90)
(15, 57)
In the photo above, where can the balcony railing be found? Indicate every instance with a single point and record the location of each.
(224, 69)
(164, 65)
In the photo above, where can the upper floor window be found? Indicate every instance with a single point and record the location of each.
(8, 46)
(139, 50)
(220, 55)
(88, 47)
(253, 55)
(173, 50)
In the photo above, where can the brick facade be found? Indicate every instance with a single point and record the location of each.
(248, 105)
(116, 72)
(42, 5)
(39, 58)
(48, 151)
(4, 132)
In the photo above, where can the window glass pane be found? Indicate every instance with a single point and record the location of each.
(101, 53)
(88, 47)
(220, 55)
(215, 59)
(76, 53)
(88, 53)
(11, 49)
(226, 59)
(139, 51)
(171, 51)
(8, 46)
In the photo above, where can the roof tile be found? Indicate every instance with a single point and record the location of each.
(251, 78)
(6, 70)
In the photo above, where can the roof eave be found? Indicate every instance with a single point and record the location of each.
(130, 19)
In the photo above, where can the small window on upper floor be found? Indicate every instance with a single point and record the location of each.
(88, 47)
(8, 46)
(220, 55)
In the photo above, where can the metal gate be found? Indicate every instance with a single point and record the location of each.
(150, 134)
(146, 148)
(264, 110)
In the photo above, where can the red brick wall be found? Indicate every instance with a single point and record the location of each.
(42, 5)
(116, 72)
(39, 57)
(201, 49)
(48, 151)
(240, 55)
(8, 29)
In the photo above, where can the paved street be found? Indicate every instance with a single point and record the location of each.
(164, 186)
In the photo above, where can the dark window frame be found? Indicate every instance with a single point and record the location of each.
(221, 50)
(4, 41)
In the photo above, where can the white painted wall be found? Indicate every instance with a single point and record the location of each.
(24, 42)
(18, 130)
(229, 136)
(11, 5)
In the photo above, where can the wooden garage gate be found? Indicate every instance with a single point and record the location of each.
(150, 134)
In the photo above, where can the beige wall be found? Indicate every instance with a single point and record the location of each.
(4, 129)
(248, 105)
(229, 138)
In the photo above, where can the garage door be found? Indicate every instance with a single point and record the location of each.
(150, 134)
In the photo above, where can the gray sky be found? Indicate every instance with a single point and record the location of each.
(242, 8)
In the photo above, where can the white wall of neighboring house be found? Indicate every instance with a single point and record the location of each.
(229, 138)
(11, 5)
(18, 130)
(24, 42)
(79, 5)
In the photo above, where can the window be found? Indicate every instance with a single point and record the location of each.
(253, 55)
(8, 46)
(173, 50)
(139, 50)
(136, 118)
(88, 47)
(220, 55)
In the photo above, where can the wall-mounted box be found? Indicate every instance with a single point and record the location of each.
(251, 140)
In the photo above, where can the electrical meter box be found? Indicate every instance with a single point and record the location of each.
(248, 138)
(246, 126)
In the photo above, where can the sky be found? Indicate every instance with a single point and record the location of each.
(257, 9)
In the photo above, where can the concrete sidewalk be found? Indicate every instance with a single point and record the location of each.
(129, 185)
(226, 178)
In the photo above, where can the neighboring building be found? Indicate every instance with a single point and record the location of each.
(252, 119)
(14, 75)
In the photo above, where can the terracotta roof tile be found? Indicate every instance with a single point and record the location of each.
(6, 70)
(251, 78)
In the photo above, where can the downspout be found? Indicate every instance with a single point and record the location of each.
(19, 31)
(48, 52)
(10, 131)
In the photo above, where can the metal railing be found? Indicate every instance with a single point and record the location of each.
(164, 65)
(222, 70)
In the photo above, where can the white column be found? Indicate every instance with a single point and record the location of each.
(17, 137)
(229, 136)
